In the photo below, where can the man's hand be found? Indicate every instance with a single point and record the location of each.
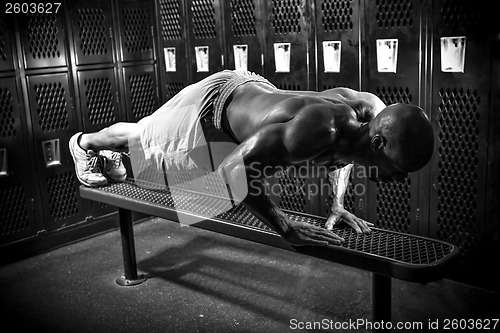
(339, 214)
(302, 233)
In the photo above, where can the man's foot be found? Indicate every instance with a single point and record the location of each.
(88, 164)
(114, 169)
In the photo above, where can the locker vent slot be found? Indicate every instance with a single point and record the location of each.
(92, 31)
(292, 192)
(462, 13)
(286, 16)
(243, 18)
(62, 189)
(7, 119)
(99, 100)
(142, 95)
(294, 87)
(203, 18)
(42, 36)
(51, 107)
(393, 206)
(337, 15)
(394, 14)
(137, 30)
(3, 56)
(391, 95)
(173, 88)
(393, 199)
(170, 20)
(13, 211)
(458, 164)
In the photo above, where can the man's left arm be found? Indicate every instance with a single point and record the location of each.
(340, 180)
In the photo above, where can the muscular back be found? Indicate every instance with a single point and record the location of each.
(254, 105)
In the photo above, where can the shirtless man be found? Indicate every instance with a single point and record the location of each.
(273, 128)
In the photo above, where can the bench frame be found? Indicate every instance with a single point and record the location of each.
(383, 269)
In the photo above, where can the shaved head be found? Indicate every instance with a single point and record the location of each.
(408, 135)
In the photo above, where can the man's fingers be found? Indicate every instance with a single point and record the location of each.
(355, 226)
(328, 236)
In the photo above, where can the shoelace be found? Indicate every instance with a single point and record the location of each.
(116, 158)
(93, 164)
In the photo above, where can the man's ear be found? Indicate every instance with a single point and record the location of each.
(378, 142)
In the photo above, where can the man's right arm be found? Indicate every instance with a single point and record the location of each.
(276, 145)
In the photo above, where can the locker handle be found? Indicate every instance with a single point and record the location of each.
(4, 171)
(51, 153)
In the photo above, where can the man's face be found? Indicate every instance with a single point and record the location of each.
(382, 168)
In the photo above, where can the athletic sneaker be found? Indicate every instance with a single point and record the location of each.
(88, 164)
(114, 169)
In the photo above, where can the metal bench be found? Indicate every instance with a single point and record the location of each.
(387, 254)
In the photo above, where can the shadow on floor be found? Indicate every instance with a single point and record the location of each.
(200, 281)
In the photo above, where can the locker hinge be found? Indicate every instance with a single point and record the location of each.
(361, 204)
(417, 215)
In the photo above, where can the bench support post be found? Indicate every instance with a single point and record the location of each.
(381, 302)
(130, 278)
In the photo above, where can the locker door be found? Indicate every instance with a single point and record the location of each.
(288, 40)
(6, 42)
(136, 30)
(173, 46)
(244, 35)
(43, 38)
(141, 95)
(337, 30)
(289, 65)
(92, 31)
(98, 99)
(460, 114)
(338, 65)
(392, 40)
(17, 189)
(53, 121)
(206, 48)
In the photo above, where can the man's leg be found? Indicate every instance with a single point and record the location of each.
(97, 156)
(116, 138)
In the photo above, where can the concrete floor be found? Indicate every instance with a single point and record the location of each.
(206, 282)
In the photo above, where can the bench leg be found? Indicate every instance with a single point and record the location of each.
(130, 278)
(381, 293)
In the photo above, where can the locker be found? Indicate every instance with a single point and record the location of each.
(43, 39)
(98, 99)
(53, 121)
(6, 43)
(289, 61)
(394, 78)
(206, 48)
(288, 64)
(460, 114)
(136, 30)
(92, 31)
(338, 24)
(243, 26)
(18, 218)
(173, 46)
(141, 94)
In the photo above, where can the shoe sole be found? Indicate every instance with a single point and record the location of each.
(72, 144)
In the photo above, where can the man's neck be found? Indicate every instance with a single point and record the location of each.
(355, 145)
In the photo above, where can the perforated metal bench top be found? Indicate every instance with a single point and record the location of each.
(385, 252)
